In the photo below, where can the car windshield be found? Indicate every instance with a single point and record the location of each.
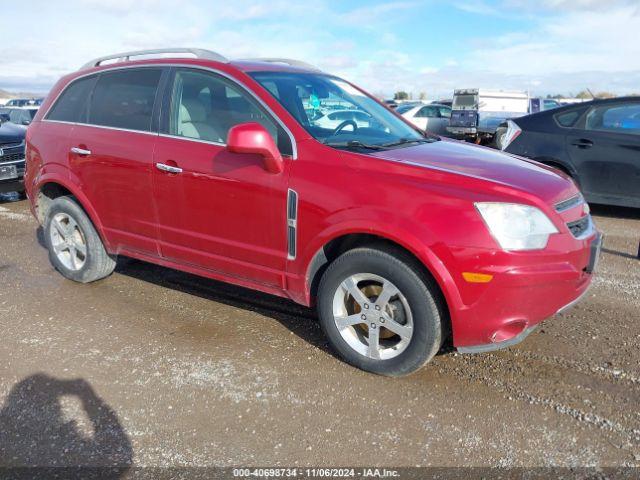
(338, 114)
(464, 101)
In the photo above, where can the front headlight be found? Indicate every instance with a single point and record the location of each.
(516, 226)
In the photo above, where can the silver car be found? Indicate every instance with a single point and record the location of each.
(433, 118)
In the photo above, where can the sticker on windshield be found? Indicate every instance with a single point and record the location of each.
(314, 101)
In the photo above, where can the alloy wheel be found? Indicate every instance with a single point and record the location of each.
(373, 316)
(68, 241)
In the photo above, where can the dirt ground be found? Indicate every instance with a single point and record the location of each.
(159, 368)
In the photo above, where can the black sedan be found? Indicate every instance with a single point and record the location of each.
(597, 143)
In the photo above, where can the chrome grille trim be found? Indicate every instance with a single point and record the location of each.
(581, 228)
(6, 146)
(569, 203)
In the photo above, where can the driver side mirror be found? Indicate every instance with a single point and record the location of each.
(254, 138)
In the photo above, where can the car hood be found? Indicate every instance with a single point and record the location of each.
(12, 133)
(485, 164)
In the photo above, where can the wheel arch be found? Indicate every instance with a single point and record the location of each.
(416, 253)
(49, 188)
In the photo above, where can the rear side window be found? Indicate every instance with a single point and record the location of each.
(71, 106)
(615, 118)
(125, 98)
(568, 119)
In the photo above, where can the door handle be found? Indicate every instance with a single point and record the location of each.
(582, 143)
(168, 168)
(80, 151)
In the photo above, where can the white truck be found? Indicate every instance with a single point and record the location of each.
(477, 113)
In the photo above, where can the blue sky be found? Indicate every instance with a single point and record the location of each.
(431, 46)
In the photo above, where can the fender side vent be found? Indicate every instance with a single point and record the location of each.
(292, 222)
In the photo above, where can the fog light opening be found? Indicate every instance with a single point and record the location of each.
(508, 331)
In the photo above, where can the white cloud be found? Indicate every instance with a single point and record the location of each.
(571, 45)
(571, 42)
(570, 5)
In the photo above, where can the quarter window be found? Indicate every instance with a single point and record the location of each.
(205, 106)
(568, 119)
(71, 106)
(125, 98)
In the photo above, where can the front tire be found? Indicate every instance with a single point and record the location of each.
(379, 312)
(75, 248)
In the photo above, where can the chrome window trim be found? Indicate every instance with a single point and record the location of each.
(189, 139)
(62, 121)
(92, 125)
(294, 146)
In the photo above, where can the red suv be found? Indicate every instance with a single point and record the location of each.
(224, 169)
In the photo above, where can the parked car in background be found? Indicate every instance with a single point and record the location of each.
(431, 118)
(17, 102)
(406, 106)
(477, 113)
(19, 115)
(348, 118)
(444, 101)
(12, 154)
(212, 166)
(597, 143)
(542, 104)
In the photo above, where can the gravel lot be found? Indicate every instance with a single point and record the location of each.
(159, 368)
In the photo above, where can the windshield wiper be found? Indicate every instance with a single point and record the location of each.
(356, 144)
(404, 141)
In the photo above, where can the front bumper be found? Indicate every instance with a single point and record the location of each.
(509, 308)
(13, 184)
(490, 347)
(462, 130)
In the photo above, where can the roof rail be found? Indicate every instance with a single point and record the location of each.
(123, 57)
(286, 61)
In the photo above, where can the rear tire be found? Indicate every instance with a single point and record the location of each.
(379, 312)
(75, 248)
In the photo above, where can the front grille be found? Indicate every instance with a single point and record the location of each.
(11, 157)
(569, 203)
(579, 227)
(12, 152)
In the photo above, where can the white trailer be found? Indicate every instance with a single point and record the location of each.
(476, 112)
